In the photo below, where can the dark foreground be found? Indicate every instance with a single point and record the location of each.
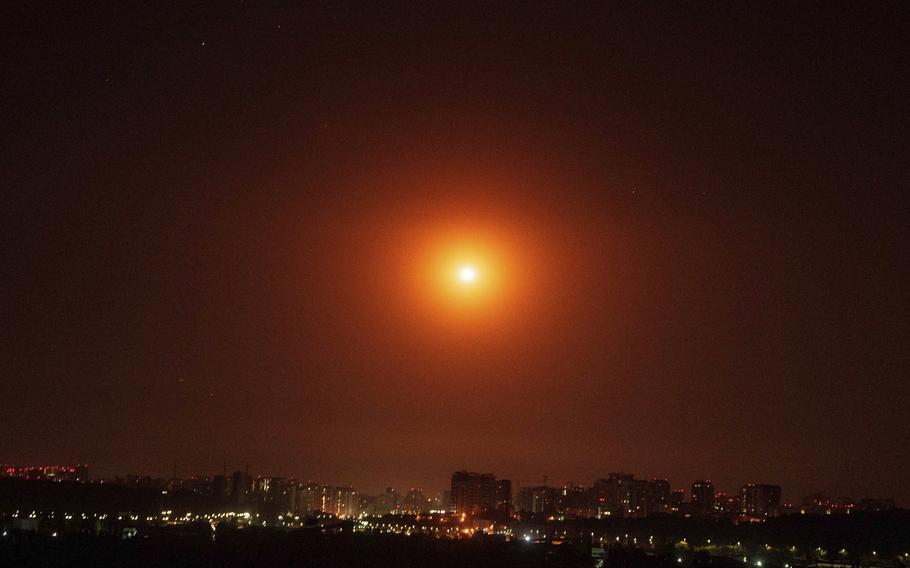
(277, 548)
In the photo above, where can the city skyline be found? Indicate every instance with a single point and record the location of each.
(49, 509)
(699, 495)
(438, 483)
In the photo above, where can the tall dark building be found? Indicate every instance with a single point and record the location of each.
(576, 501)
(616, 493)
(703, 496)
(677, 499)
(504, 495)
(657, 497)
(415, 502)
(539, 499)
(725, 504)
(760, 500)
(276, 491)
(219, 487)
(473, 493)
(241, 487)
(637, 496)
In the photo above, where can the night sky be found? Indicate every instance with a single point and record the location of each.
(221, 226)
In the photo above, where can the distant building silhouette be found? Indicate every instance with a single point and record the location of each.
(702, 496)
(677, 499)
(241, 487)
(539, 499)
(219, 486)
(877, 504)
(77, 472)
(415, 502)
(727, 504)
(504, 495)
(657, 497)
(760, 500)
(576, 501)
(620, 494)
(473, 493)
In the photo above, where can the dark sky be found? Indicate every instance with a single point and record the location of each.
(216, 222)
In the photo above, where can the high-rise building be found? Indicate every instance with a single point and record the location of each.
(703, 496)
(295, 498)
(415, 502)
(726, 504)
(308, 499)
(280, 494)
(657, 497)
(344, 501)
(503, 495)
(473, 493)
(637, 495)
(618, 494)
(241, 487)
(760, 500)
(576, 501)
(388, 502)
(341, 501)
(677, 498)
(219, 486)
(539, 499)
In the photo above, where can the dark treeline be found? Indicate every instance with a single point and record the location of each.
(265, 547)
(27, 495)
(859, 533)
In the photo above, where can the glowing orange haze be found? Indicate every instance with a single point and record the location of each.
(465, 274)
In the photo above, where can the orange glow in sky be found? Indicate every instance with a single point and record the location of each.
(466, 272)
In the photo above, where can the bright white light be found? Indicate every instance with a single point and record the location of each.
(467, 274)
(527, 538)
